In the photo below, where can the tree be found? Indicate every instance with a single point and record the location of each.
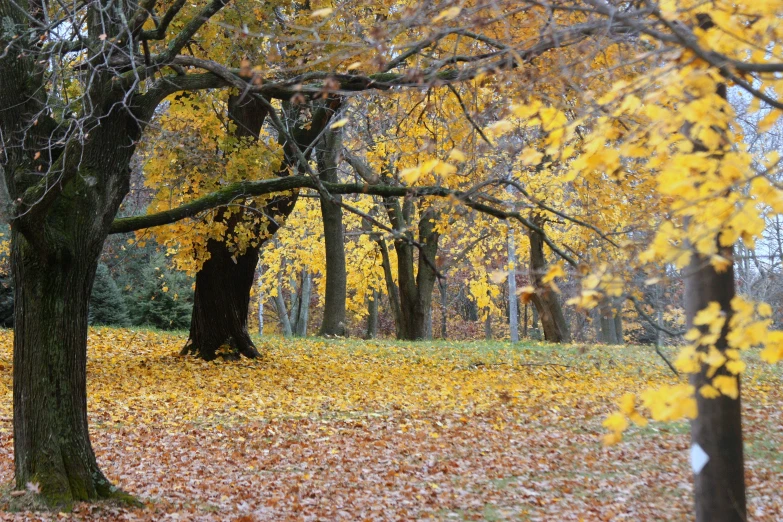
(107, 306)
(80, 83)
(334, 239)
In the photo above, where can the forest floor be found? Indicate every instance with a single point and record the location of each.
(381, 430)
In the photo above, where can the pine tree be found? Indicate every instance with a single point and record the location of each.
(107, 307)
(165, 298)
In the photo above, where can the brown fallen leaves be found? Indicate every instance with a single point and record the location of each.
(348, 430)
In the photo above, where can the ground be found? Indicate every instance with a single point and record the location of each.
(381, 430)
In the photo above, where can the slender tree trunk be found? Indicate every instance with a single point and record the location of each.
(513, 311)
(545, 300)
(415, 290)
(282, 312)
(372, 316)
(334, 239)
(391, 288)
(260, 305)
(444, 302)
(488, 327)
(303, 306)
(720, 486)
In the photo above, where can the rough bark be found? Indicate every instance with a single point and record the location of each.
(720, 486)
(545, 300)
(336, 290)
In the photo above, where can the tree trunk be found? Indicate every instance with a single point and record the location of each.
(513, 311)
(608, 332)
(545, 300)
(282, 312)
(720, 486)
(488, 327)
(303, 305)
(221, 304)
(391, 287)
(415, 291)
(221, 301)
(618, 325)
(334, 239)
(372, 316)
(51, 441)
(260, 306)
(442, 288)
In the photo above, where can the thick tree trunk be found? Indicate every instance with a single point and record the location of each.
(51, 441)
(720, 486)
(221, 304)
(545, 300)
(334, 239)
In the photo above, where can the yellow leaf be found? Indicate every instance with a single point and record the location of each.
(457, 155)
(709, 392)
(339, 123)
(553, 272)
(616, 422)
(628, 403)
(736, 367)
(768, 121)
(448, 14)
(708, 315)
(727, 385)
(322, 13)
(411, 175)
(498, 276)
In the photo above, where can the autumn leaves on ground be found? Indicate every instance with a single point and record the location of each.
(377, 430)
